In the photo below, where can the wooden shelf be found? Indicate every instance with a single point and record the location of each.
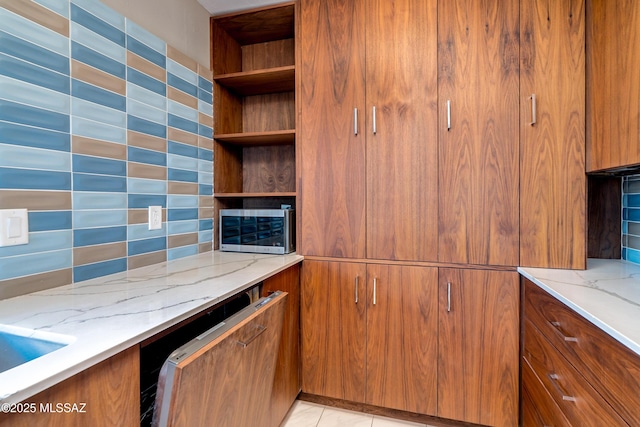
(277, 137)
(259, 82)
(254, 195)
(261, 25)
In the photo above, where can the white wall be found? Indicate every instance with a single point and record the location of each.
(184, 24)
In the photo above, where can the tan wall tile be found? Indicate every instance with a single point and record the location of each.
(139, 170)
(205, 143)
(182, 240)
(35, 200)
(146, 259)
(141, 216)
(205, 72)
(205, 247)
(147, 67)
(176, 187)
(182, 59)
(206, 202)
(39, 14)
(93, 147)
(205, 213)
(142, 140)
(181, 97)
(91, 254)
(97, 77)
(182, 136)
(203, 119)
(34, 283)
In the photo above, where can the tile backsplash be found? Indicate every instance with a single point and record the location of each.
(631, 218)
(99, 119)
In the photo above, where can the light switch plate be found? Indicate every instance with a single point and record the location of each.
(14, 227)
(155, 217)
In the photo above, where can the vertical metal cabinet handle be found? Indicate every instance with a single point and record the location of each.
(357, 280)
(448, 114)
(355, 121)
(565, 396)
(375, 290)
(533, 109)
(375, 128)
(448, 297)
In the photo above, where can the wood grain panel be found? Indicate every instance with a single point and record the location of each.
(269, 169)
(478, 346)
(226, 381)
(613, 86)
(402, 338)
(333, 329)
(402, 156)
(552, 172)
(478, 56)
(110, 390)
(581, 404)
(260, 25)
(286, 385)
(277, 53)
(610, 367)
(268, 112)
(603, 213)
(332, 158)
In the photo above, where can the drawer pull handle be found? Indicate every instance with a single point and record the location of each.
(260, 330)
(565, 396)
(566, 337)
(357, 280)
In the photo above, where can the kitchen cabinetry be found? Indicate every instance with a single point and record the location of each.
(478, 99)
(369, 334)
(574, 368)
(552, 140)
(368, 129)
(613, 84)
(253, 63)
(478, 346)
(105, 394)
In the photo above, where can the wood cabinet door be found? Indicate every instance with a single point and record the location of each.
(402, 337)
(333, 329)
(613, 87)
(331, 147)
(552, 150)
(402, 153)
(478, 350)
(286, 385)
(478, 99)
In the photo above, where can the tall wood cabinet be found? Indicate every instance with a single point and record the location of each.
(368, 135)
(613, 86)
(552, 134)
(478, 350)
(369, 334)
(478, 103)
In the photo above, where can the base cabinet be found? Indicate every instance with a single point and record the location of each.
(107, 394)
(571, 365)
(478, 346)
(369, 334)
(390, 336)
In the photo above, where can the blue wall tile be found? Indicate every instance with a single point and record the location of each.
(143, 80)
(16, 134)
(182, 149)
(143, 201)
(98, 113)
(182, 175)
(98, 43)
(96, 94)
(83, 200)
(91, 271)
(40, 242)
(184, 251)
(99, 165)
(17, 156)
(97, 236)
(141, 155)
(99, 131)
(146, 186)
(100, 183)
(97, 60)
(22, 70)
(180, 123)
(97, 25)
(145, 126)
(26, 265)
(183, 85)
(34, 179)
(146, 52)
(36, 96)
(147, 38)
(182, 214)
(155, 244)
(99, 218)
(49, 221)
(182, 227)
(205, 84)
(32, 53)
(32, 116)
(33, 32)
(103, 12)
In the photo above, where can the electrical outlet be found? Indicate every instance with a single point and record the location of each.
(155, 217)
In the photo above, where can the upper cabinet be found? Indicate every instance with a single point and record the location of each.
(478, 98)
(552, 134)
(368, 129)
(253, 63)
(613, 84)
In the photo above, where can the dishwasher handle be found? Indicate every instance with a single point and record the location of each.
(260, 329)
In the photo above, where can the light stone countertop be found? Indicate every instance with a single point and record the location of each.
(607, 294)
(106, 315)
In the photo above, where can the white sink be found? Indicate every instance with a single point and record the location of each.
(21, 345)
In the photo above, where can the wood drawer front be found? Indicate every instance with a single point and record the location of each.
(581, 404)
(538, 407)
(610, 367)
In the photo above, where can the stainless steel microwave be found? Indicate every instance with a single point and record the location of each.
(267, 231)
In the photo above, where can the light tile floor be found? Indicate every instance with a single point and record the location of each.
(306, 414)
